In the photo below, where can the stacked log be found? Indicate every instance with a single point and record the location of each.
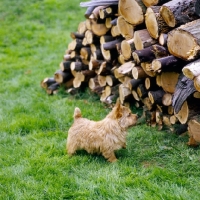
(143, 52)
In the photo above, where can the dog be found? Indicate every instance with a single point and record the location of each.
(101, 137)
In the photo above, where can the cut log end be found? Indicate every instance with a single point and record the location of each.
(168, 16)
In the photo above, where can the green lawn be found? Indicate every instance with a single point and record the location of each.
(156, 165)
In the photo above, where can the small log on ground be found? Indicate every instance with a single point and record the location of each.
(53, 88)
(45, 83)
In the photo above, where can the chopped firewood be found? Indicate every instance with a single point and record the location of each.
(193, 129)
(167, 99)
(53, 88)
(135, 95)
(89, 11)
(98, 29)
(82, 27)
(62, 77)
(126, 29)
(108, 11)
(133, 83)
(173, 119)
(127, 48)
(94, 63)
(177, 12)
(75, 35)
(168, 81)
(132, 10)
(124, 93)
(115, 31)
(190, 34)
(197, 83)
(192, 69)
(184, 88)
(196, 95)
(78, 66)
(91, 38)
(149, 53)
(72, 91)
(155, 23)
(111, 80)
(168, 63)
(65, 65)
(126, 68)
(68, 84)
(149, 3)
(146, 66)
(102, 80)
(142, 39)
(121, 59)
(183, 113)
(111, 44)
(106, 38)
(150, 83)
(104, 69)
(45, 83)
(163, 39)
(159, 119)
(142, 91)
(156, 96)
(138, 72)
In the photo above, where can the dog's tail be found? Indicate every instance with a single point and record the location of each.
(77, 113)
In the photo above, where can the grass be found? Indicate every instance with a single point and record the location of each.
(33, 126)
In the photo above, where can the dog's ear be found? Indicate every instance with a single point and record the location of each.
(77, 113)
(118, 109)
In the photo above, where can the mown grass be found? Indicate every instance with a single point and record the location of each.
(33, 126)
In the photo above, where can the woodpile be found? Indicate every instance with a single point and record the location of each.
(146, 52)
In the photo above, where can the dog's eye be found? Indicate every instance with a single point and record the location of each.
(129, 114)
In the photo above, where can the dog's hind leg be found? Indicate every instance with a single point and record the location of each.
(110, 156)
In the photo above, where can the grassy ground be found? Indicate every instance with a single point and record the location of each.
(33, 126)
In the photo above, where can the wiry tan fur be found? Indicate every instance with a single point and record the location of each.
(102, 137)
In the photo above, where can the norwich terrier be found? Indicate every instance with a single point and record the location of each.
(101, 137)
